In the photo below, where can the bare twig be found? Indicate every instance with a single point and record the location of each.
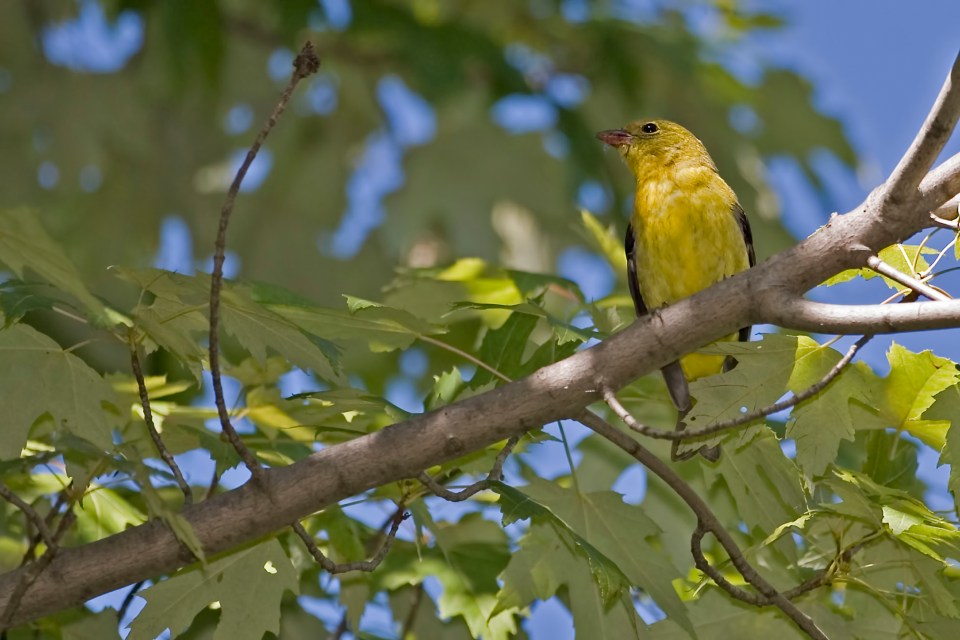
(152, 428)
(786, 403)
(495, 475)
(362, 565)
(930, 140)
(341, 629)
(705, 516)
(33, 518)
(885, 269)
(128, 599)
(61, 500)
(305, 64)
(411, 617)
(700, 562)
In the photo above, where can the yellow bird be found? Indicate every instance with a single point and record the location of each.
(687, 232)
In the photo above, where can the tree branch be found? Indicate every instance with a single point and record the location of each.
(152, 429)
(769, 292)
(305, 64)
(362, 565)
(821, 317)
(495, 475)
(930, 140)
(716, 427)
(34, 519)
(705, 516)
(884, 269)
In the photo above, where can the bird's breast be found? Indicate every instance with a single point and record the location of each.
(687, 237)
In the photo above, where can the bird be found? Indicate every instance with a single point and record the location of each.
(687, 232)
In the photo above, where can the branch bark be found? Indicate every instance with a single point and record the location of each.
(768, 293)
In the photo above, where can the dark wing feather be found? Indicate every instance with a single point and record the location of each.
(630, 248)
(672, 373)
(744, 225)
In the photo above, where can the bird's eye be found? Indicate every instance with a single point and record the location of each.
(650, 127)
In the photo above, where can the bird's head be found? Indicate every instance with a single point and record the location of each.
(655, 145)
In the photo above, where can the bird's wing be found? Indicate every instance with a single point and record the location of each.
(672, 373)
(630, 248)
(744, 225)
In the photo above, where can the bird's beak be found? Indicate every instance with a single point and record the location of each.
(615, 137)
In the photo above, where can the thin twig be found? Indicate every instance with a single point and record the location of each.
(704, 515)
(943, 223)
(48, 520)
(33, 518)
(930, 140)
(495, 475)
(466, 356)
(690, 434)
(362, 565)
(152, 428)
(885, 269)
(411, 616)
(128, 599)
(305, 64)
(341, 629)
(926, 274)
(700, 562)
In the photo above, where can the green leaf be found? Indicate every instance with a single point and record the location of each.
(248, 585)
(820, 423)
(898, 521)
(605, 240)
(446, 387)
(104, 512)
(59, 384)
(95, 626)
(914, 380)
(176, 327)
(25, 244)
(544, 565)
(611, 534)
(383, 328)
(716, 616)
(18, 298)
(255, 326)
(901, 257)
(534, 284)
(763, 482)
(475, 551)
(946, 408)
(259, 329)
(759, 379)
(408, 603)
(503, 348)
